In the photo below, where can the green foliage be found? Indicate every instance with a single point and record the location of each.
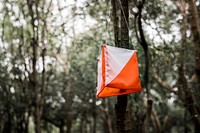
(70, 61)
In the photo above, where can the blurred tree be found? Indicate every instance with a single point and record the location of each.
(48, 66)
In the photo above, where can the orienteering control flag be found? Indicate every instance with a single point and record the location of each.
(118, 72)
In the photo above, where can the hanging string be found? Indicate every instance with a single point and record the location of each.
(108, 15)
(124, 15)
(125, 21)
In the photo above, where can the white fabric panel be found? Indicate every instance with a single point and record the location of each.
(116, 59)
(99, 83)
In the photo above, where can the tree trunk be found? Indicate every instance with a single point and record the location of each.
(122, 122)
(94, 115)
(35, 87)
(115, 21)
(68, 101)
(193, 108)
(181, 79)
(195, 29)
(33, 11)
(124, 24)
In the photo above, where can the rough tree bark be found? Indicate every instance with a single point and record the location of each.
(122, 121)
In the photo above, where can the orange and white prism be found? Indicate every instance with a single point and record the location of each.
(118, 72)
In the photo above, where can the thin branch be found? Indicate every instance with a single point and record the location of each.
(144, 45)
(163, 84)
(136, 28)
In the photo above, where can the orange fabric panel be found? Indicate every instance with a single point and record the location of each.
(103, 66)
(108, 92)
(128, 77)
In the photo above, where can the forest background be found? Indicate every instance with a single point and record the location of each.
(48, 66)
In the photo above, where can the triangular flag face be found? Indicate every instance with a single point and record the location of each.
(118, 72)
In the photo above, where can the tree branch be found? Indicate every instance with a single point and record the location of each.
(163, 84)
(144, 45)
